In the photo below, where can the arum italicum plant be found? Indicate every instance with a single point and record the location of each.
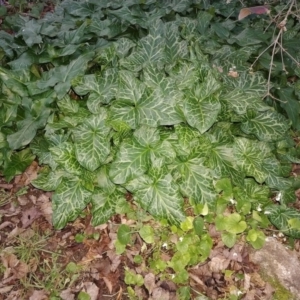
(122, 97)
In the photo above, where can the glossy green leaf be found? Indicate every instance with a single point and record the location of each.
(234, 223)
(17, 163)
(291, 105)
(100, 89)
(64, 155)
(228, 238)
(150, 49)
(60, 77)
(27, 130)
(132, 161)
(124, 234)
(147, 234)
(48, 181)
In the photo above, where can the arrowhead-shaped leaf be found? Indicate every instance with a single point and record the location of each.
(69, 200)
(64, 155)
(103, 205)
(150, 49)
(250, 156)
(267, 126)
(159, 196)
(92, 142)
(201, 108)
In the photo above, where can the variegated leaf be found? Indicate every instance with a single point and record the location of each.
(249, 156)
(196, 181)
(92, 142)
(69, 199)
(103, 205)
(64, 155)
(159, 196)
(150, 49)
(267, 126)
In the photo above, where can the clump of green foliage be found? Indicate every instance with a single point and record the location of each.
(127, 96)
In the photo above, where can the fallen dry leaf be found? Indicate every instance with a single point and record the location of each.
(160, 293)
(91, 289)
(15, 269)
(29, 174)
(67, 295)
(45, 206)
(115, 260)
(218, 263)
(6, 224)
(38, 295)
(29, 216)
(149, 282)
(247, 279)
(268, 291)
(250, 295)
(6, 289)
(108, 284)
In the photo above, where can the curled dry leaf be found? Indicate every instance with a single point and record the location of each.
(233, 74)
(45, 207)
(29, 174)
(256, 10)
(15, 269)
(6, 224)
(108, 284)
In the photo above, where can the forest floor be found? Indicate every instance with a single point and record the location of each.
(39, 262)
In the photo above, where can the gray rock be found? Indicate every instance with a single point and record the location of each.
(279, 262)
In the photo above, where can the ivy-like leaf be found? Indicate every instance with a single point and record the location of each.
(27, 130)
(101, 89)
(69, 199)
(196, 181)
(132, 161)
(92, 144)
(61, 76)
(280, 215)
(201, 107)
(159, 196)
(17, 163)
(250, 156)
(48, 181)
(103, 205)
(135, 156)
(64, 155)
(150, 49)
(267, 126)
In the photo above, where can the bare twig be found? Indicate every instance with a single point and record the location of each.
(278, 42)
